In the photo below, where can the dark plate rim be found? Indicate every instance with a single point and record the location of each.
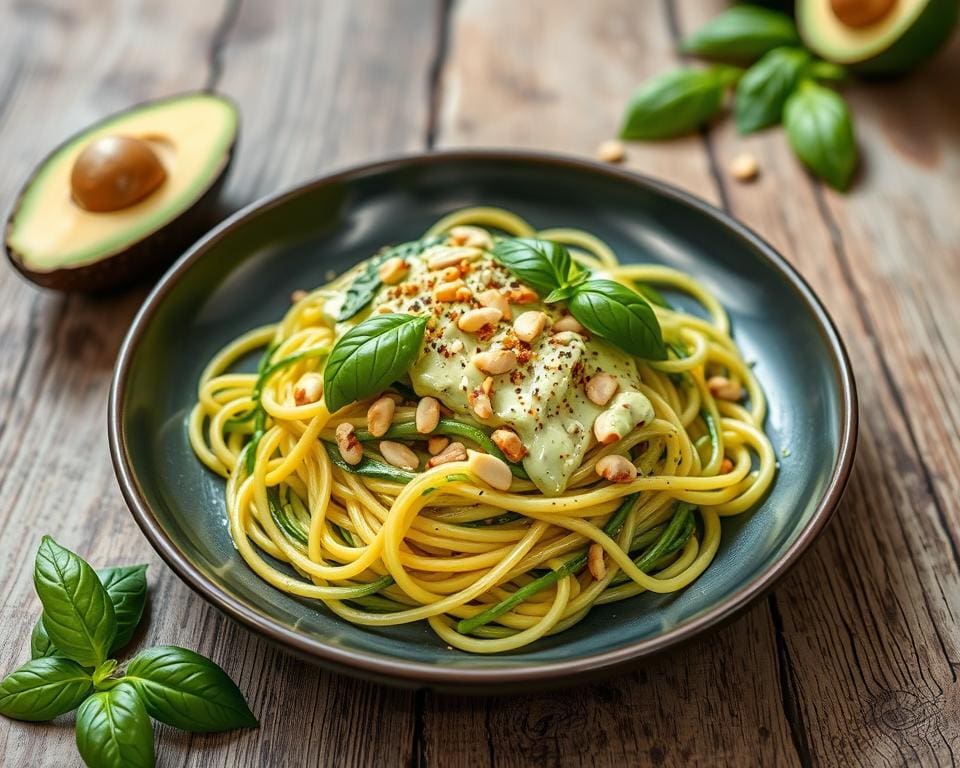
(404, 672)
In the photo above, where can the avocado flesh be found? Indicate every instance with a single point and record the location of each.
(193, 136)
(911, 32)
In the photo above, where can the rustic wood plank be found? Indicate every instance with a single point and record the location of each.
(304, 75)
(521, 74)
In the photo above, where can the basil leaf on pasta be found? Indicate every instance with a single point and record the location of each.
(114, 730)
(78, 614)
(370, 356)
(621, 316)
(43, 689)
(542, 264)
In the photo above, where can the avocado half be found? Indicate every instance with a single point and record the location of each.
(911, 31)
(57, 243)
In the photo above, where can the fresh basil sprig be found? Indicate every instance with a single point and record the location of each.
(542, 264)
(742, 33)
(820, 130)
(621, 316)
(87, 614)
(677, 102)
(764, 88)
(370, 356)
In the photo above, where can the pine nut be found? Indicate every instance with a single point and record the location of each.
(398, 455)
(723, 389)
(616, 469)
(380, 416)
(495, 361)
(595, 564)
(522, 295)
(605, 430)
(298, 295)
(464, 294)
(490, 470)
(437, 444)
(726, 466)
(450, 273)
(473, 320)
(453, 452)
(493, 298)
(428, 415)
(509, 442)
(601, 388)
(567, 323)
(529, 325)
(347, 442)
(473, 236)
(451, 257)
(448, 291)
(744, 167)
(392, 270)
(481, 404)
(487, 386)
(611, 151)
(308, 389)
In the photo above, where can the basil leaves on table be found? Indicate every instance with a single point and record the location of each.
(742, 33)
(677, 102)
(88, 614)
(370, 356)
(821, 133)
(764, 88)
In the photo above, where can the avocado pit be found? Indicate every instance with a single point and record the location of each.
(114, 172)
(861, 13)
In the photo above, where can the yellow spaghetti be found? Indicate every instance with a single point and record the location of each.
(321, 508)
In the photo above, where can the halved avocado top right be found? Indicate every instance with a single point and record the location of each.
(876, 36)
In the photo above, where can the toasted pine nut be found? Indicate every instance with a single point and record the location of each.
(493, 298)
(726, 466)
(473, 320)
(509, 442)
(490, 470)
(474, 236)
(444, 257)
(604, 429)
(595, 564)
(380, 416)
(450, 273)
(495, 361)
(601, 388)
(308, 389)
(298, 295)
(529, 325)
(611, 151)
(437, 444)
(398, 455)
(453, 452)
(392, 270)
(448, 291)
(347, 442)
(616, 469)
(428, 415)
(522, 295)
(464, 294)
(487, 386)
(744, 167)
(723, 389)
(481, 404)
(567, 323)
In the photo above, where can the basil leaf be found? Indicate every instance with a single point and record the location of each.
(77, 612)
(186, 690)
(676, 102)
(542, 264)
(40, 643)
(362, 290)
(114, 730)
(370, 356)
(827, 70)
(742, 33)
(615, 313)
(764, 88)
(127, 588)
(820, 130)
(43, 689)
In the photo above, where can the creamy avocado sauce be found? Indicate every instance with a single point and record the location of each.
(543, 399)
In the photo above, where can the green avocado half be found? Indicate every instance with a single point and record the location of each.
(908, 32)
(58, 238)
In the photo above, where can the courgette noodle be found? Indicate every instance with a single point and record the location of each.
(491, 571)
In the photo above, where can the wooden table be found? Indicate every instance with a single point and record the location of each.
(851, 661)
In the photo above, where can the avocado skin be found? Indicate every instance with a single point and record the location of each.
(919, 41)
(144, 258)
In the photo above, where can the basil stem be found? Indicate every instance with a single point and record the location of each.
(574, 564)
(674, 536)
(369, 467)
(280, 516)
(506, 517)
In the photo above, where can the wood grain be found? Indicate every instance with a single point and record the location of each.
(851, 661)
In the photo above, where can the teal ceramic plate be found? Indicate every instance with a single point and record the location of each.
(241, 275)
